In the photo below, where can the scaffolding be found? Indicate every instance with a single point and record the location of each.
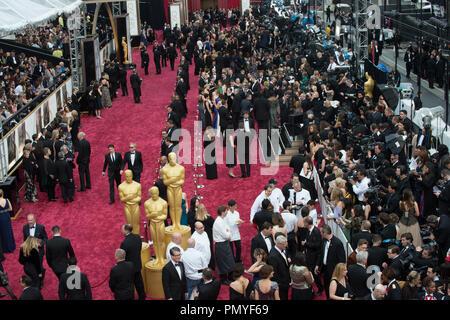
(362, 35)
(116, 8)
(76, 24)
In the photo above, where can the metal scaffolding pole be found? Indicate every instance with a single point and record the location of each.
(116, 8)
(76, 24)
(362, 35)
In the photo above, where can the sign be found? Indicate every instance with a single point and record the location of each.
(175, 18)
(132, 10)
(245, 5)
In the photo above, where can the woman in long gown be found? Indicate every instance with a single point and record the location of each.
(409, 212)
(106, 97)
(184, 217)
(6, 231)
(29, 165)
(210, 159)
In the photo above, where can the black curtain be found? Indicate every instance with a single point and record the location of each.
(153, 12)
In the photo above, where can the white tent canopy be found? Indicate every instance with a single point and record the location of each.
(16, 14)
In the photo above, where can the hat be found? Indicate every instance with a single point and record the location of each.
(273, 181)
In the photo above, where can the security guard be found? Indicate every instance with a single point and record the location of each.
(393, 291)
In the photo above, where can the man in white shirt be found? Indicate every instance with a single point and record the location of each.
(194, 263)
(202, 243)
(266, 194)
(277, 194)
(360, 187)
(290, 221)
(299, 197)
(176, 242)
(223, 253)
(332, 66)
(233, 221)
(312, 211)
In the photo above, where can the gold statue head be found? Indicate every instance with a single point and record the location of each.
(172, 158)
(128, 176)
(153, 192)
(123, 38)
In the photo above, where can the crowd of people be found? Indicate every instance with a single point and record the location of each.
(390, 197)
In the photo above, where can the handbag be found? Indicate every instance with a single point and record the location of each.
(3, 279)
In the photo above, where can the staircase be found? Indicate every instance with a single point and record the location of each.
(284, 159)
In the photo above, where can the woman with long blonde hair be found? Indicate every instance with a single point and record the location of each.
(338, 285)
(29, 258)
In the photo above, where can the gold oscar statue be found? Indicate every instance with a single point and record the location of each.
(156, 212)
(173, 177)
(368, 86)
(125, 51)
(130, 195)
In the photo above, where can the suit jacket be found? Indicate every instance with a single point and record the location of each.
(135, 81)
(138, 165)
(261, 217)
(262, 108)
(297, 162)
(31, 293)
(169, 149)
(259, 242)
(39, 233)
(59, 250)
(84, 152)
(313, 247)
(113, 167)
(437, 295)
(132, 246)
(357, 278)
(336, 254)
(393, 292)
(84, 293)
(377, 255)
(209, 291)
(361, 235)
(173, 286)
(121, 280)
(175, 118)
(280, 268)
(64, 172)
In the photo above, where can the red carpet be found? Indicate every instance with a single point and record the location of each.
(91, 224)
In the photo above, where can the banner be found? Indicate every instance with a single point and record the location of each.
(175, 18)
(105, 53)
(132, 10)
(245, 5)
(40, 117)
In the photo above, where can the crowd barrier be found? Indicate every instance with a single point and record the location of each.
(327, 211)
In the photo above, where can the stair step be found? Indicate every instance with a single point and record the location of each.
(296, 144)
(291, 152)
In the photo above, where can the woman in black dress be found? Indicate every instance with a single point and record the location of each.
(29, 258)
(193, 206)
(339, 288)
(29, 165)
(241, 288)
(74, 128)
(98, 99)
(210, 159)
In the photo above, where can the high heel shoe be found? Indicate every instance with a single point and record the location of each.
(231, 175)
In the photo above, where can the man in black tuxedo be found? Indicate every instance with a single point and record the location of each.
(244, 140)
(298, 160)
(236, 108)
(38, 231)
(64, 176)
(113, 160)
(408, 58)
(133, 160)
(181, 91)
(59, 250)
(394, 262)
(431, 71)
(279, 260)
(121, 277)
(48, 174)
(12, 60)
(136, 82)
(173, 277)
(169, 146)
(357, 276)
(209, 288)
(157, 57)
(363, 234)
(132, 246)
(377, 254)
(172, 54)
(312, 245)
(123, 80)
(83, 160)
(264, 215)
(261, 107)
(163, 142)
(29, 292)
(263, 240)
(172, 115)
(82, 292)
(331, 254)
(145, 60)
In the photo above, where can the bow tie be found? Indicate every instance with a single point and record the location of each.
(177, 264)
(133, 153)
(268, 237)
(32, 227)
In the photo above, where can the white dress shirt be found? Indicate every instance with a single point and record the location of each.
(170, 246)
(360, 187)
(193, 261)
(202, 244)
(178, 268)
(268, 242)
(283, 254)
(278, 195)
(313, 215)
(325, 252)
(290, 220)
(221, 231)
(295, 196)
(246, 125)
(33, 230)
(231, 219)
(132, 157)
(257, 204)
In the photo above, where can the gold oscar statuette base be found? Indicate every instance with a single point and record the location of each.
(153, 280)
(185, 235)
(145, 257)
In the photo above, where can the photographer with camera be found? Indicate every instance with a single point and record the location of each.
(440, 232)
(361, 185)
(443, 194)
